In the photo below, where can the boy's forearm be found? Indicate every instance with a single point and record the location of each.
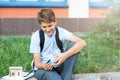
(78, 46)
(37, 61)
(39, 65)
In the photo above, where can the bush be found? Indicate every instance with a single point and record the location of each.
(110, 28)
(102, 53)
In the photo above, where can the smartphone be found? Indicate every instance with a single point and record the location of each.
(48, 61)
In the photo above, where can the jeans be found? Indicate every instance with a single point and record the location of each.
(63, 72)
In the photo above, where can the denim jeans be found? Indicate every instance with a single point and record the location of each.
(63, 72)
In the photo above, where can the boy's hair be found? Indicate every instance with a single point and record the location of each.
(46, 15)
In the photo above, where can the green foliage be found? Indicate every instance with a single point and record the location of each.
(110, 28)
(14, 51)
(102, 53)
(98, 56)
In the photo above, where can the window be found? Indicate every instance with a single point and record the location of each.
(4, 0)
(117, 1)
(26, 0)
(33, 3)
(101, 3)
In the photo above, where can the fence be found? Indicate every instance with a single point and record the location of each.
(25, 26)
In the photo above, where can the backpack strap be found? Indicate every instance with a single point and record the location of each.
(42, 39)
(58, 41)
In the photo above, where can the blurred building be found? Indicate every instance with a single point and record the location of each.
(62, 8)
(19, 16)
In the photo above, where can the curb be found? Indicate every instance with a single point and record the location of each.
(91, 76)
(98, 76)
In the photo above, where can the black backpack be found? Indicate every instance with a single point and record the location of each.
(42, 39)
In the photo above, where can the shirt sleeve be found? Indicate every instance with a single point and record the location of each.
(34, 44)
(65, 34)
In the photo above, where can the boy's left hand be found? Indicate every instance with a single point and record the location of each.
(60, 59)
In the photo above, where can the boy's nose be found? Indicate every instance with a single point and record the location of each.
(48, 29)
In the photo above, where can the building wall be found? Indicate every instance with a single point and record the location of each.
(60, 12)
(22, 21)
(99, 12)
(29, 12)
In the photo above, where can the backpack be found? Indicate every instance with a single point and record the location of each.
(42, 39)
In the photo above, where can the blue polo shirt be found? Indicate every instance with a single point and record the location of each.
(50, 45)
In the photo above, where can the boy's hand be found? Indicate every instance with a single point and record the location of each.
(60, 59)
(47, 66)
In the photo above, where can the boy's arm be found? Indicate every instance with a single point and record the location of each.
(39, 64)
(37, 60)
(78, 46)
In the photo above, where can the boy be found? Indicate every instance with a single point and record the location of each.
(51, 63)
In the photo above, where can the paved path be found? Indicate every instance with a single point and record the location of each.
(98, 76)
(93, 76)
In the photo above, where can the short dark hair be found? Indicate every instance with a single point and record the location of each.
(46, 15)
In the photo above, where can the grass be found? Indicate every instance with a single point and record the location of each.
(98, 56)
(14, 52)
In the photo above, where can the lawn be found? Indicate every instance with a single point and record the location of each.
(98, 56)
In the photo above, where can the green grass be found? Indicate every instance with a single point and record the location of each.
(14, 51)
(98, 56)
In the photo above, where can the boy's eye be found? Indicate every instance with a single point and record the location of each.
(49, 25)
(44, 26)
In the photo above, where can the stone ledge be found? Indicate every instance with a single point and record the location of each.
(98, 76)
(92, 76)
(95, 76)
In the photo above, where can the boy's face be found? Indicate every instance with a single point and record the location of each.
(48, 28)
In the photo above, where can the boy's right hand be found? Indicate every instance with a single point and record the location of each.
(47, 66)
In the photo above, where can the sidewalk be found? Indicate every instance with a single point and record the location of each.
(95, 76)
(98, 76)
(92, 76)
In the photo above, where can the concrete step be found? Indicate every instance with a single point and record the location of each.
(94, 76)
(98, 76)
(91, 76)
